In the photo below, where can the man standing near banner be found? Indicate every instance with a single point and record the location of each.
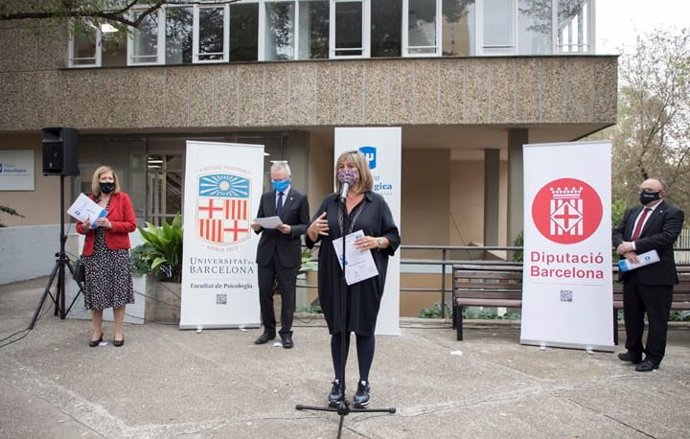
(279, 253)
(648, 289)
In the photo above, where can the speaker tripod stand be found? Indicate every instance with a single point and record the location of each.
(58, 272)
(343, 408)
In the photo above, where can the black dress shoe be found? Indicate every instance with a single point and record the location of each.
(264, 338)
(94, 343)
(627, 356)
(287, 341)
(118, 343)
(646, 366)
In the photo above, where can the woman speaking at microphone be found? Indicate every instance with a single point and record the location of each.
(366, 211)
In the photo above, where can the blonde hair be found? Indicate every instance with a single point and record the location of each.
(96, 183)
(366, 180)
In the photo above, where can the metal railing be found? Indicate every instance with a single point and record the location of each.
(441, 259)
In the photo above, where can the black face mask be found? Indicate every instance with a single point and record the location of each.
(648, 197)
(107, 188)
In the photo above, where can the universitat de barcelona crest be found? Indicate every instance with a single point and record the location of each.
(567, 210)
(222, 209)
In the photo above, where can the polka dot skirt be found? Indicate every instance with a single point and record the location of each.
(108, 276)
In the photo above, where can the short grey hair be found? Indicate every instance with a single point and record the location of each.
(282, 164)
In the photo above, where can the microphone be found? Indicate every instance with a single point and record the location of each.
(346, 180)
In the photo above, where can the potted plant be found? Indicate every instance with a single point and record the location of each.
(161, 255)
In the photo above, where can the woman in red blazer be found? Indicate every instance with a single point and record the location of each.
(106, 255)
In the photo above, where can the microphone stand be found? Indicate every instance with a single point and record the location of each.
(343, 408)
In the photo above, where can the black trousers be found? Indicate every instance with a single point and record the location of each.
(286, 278)
(655, 301)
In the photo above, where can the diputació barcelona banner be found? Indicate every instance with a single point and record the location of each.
(223, 184)
(567, 271)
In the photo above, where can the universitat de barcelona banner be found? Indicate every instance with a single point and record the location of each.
(223, 184)
(567, 274)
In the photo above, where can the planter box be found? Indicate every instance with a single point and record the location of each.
(163, 301)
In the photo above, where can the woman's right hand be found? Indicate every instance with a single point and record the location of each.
(318, 227)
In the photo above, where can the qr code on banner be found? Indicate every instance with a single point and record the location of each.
(566, 295)
(221, 299)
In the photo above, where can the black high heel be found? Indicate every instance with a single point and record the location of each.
(94, 343)
(118, 343)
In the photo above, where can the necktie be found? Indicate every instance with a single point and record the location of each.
(640, 223)
(279, 205)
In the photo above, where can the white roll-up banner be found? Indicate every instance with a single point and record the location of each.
(382, 147)
(567, 273)
(223, 185)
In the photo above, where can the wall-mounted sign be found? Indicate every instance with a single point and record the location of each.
(17, 170)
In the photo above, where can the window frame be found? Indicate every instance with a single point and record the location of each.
(160, 46)
(226, 35)
(438, 47)
(366, 34)
(98, 50)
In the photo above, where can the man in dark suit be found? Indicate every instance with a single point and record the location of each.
(279, 253)
(653, 226)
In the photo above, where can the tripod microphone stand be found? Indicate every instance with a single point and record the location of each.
(343, 408)
(58, 272)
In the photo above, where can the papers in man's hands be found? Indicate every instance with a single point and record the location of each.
(269, 222)
(360, 264)
(86, 210)
(643, 259)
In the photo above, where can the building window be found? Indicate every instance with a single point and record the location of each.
(276, 30)
(179, 35)
(535, 27)
(279, 35)
(84, 45)
(386, 28)
(575, 26)
(143, 46)
(312, 35)
(244, 32)
(458, 28)
(348, 21)
(422, 22)
(210, 34)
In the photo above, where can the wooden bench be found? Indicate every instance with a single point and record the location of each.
(501, 286)
(485, 285)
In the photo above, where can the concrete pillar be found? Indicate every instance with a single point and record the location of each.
(516, 138)
(492, 180)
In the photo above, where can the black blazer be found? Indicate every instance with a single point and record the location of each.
(287, 247)
(659, 233)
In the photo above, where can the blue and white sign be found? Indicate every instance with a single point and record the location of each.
(17, 170)
(383, 148)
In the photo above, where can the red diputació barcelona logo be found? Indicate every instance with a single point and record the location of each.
(567, 210)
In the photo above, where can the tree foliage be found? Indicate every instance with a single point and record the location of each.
(652, 137)
(115, 12)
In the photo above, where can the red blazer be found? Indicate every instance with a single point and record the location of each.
(121, 216)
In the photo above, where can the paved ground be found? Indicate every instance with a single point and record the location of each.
(166, 383)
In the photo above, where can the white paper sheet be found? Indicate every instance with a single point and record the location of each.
(360, 265)
(269, 222)
(643, 259)
(85, 209)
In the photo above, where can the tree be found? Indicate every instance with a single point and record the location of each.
(115, 12)
(652, 137)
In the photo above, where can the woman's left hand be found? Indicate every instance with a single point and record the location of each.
(366, 243)
(104, 222)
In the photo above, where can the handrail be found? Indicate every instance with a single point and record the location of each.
(444, 262)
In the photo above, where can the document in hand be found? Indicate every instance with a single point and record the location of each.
(643, 259)
(359, 265)
(85, 210)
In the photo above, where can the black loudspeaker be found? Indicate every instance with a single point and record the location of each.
(60, 151)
